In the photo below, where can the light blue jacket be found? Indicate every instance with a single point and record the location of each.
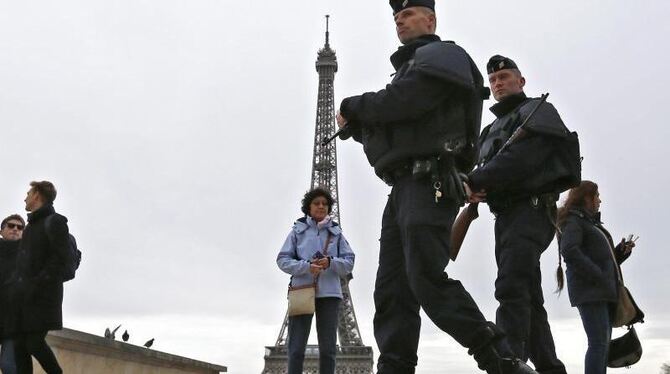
(304, 240)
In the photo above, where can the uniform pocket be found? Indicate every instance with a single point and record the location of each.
(418, 206)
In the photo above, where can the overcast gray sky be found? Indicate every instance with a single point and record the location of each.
(179, 135)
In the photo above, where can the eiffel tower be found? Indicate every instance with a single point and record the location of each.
(352, 356)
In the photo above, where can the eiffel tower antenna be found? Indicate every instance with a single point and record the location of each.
(352, 356)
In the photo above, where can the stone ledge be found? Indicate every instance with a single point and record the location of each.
(77, 341)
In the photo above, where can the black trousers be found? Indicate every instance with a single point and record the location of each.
(522, 233)
(413, 255)
(34, 344)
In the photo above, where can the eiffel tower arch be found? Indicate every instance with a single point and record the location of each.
(353, 357)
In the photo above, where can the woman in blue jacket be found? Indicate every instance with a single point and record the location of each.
(592, 269)
(306, 256)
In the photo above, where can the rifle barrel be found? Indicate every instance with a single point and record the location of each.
(339, 132)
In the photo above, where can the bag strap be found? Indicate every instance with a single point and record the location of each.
(325, 246)
(325, 253)
(616, 265)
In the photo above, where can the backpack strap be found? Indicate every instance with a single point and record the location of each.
(48, 225)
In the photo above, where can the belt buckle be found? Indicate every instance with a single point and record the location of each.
(534, 200)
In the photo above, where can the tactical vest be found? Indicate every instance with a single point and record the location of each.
(453, 127)
(560, 172)
(496, 135)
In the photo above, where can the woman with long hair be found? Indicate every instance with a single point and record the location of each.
(316, 251)
(592, 269)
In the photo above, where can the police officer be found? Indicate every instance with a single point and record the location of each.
(513, 182)
(417, 133)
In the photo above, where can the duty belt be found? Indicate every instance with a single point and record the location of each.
(441, 172)
(540, 200)
(392, 175)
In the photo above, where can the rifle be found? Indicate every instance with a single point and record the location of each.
(462, 223)
(343, 133)
(460, 228)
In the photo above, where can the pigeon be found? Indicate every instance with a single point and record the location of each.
(125, 336)
(149, 343)
(111, 334)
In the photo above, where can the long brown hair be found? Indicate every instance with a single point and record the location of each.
(576, 199)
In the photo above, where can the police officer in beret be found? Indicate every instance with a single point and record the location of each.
(418, 133)
(513, 183)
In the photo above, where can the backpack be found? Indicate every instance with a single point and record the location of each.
(560, 172)
(563, 169)
(73, 259)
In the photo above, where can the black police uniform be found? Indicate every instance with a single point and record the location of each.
(429, 101)
(515, 181)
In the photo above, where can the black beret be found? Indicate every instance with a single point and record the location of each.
(498, 62)
(399, 5)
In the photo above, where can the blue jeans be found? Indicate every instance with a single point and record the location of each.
(326, 331)
(598, 327)
(7, 360)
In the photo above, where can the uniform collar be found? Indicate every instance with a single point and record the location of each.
(405, 52)
(508, 104)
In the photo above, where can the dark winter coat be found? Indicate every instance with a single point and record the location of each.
(591, 271)
(40, 268)
(8, 252)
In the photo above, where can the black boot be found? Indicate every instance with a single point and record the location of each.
(493, 355)
(509, 366)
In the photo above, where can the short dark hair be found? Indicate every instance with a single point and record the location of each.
(46, 189)
(14, 217)
(313, 194)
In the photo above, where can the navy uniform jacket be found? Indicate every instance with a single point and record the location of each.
(435, 96)
(510, 174)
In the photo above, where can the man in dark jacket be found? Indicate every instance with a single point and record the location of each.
(40, 268)
(416, 133)
(11, 230)
(513, 182)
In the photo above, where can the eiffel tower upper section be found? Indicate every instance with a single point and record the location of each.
(324, 161)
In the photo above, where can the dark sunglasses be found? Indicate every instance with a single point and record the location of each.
(13, 226)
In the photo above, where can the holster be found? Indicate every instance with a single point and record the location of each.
(443, 175)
